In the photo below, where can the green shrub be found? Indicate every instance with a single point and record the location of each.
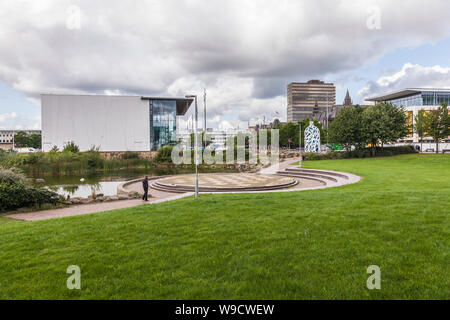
(165, 154)
(360, 153)
(15, 192)
(71, 147)
(93, 160)
(12, 176)
(130, 155)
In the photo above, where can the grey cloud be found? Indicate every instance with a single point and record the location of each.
(151, 47)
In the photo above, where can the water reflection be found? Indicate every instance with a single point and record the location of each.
(83, 186)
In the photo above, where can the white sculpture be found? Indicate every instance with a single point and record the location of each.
(312, 138)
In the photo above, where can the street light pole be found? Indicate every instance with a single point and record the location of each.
(204, 108)
(195, 144)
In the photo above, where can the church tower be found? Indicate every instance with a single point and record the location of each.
(347, 100)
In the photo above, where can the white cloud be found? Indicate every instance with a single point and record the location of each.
(7, 116)
(14, 121)
(410, 76)
(244, 52)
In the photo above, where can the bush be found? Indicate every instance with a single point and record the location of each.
(12, 176)
(71, 147)
(16, 193)
(164, 154)
(130, 155)
(360, 153)
(93, 159)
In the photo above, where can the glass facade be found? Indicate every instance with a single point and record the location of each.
(163, 123)
(423, 99)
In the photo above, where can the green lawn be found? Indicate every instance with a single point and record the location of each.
(299, 245)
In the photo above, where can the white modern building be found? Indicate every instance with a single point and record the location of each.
(111, 123)
(413, 100)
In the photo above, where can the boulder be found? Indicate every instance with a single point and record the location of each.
(40, 181)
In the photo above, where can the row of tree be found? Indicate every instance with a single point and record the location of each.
(385, 123)
(24, 140)
(433, 123)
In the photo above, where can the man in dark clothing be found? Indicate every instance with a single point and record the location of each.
(145, 186)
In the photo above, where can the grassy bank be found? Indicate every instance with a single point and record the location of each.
(300, 245)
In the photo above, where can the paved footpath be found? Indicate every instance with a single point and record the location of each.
(91, 208)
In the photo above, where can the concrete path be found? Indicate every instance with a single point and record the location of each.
(92, 208)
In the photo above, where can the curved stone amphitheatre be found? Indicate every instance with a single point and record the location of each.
(227, 182)
(284, 177)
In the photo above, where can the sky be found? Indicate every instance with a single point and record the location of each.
(243, 52)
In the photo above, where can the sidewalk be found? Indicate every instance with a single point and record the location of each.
(90, 208)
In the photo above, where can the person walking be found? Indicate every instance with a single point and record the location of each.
(145, 186)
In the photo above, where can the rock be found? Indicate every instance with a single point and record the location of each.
(75, 200)
(40, 181)
(107, 199)
(99, 199)
(123, 197)
(114, 198)
(100, 195)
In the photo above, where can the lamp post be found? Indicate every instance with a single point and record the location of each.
(195, 143)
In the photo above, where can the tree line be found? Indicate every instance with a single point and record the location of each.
(383, 123)
(24, 140)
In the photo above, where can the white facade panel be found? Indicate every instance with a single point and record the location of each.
(112, 123)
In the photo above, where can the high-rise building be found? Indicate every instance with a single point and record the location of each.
(303, 97)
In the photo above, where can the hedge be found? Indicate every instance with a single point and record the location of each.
(360, 153)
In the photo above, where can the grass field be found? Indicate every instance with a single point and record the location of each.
(299, 245)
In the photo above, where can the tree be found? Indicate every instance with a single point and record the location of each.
(346, 127)
(35, 141)
(21, 140)
(371, 126)
(382, 123)
(419, 126)
(437, 124)
(394, 123)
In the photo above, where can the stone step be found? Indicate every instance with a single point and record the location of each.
(309, 177)
(329, 173)
(304, 174)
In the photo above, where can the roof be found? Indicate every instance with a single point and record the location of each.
(183, 104)
(405, 93)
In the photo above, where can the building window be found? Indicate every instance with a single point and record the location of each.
(163, 123)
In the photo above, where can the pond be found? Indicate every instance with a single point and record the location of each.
(83, 186)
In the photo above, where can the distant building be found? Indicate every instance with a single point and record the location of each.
(303, 97)
(111, 123)
(347, 101)
(413, 100)
(271, 125)
(7, 137)
(332, 112)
